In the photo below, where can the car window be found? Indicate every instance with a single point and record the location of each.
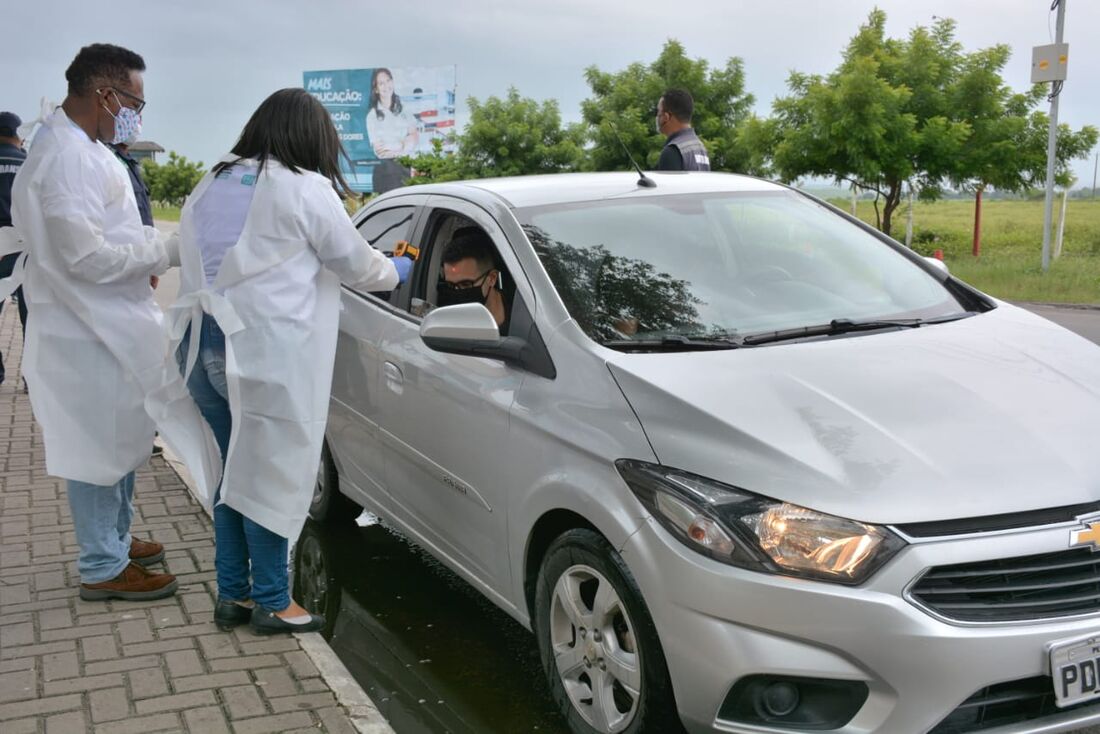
(443, 226)
(722, 264)
(384, 229)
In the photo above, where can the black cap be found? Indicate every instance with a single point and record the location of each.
(9, 123)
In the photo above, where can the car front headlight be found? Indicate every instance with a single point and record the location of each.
(754, 532)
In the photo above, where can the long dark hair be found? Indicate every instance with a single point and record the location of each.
(295, 129)
(376, 99)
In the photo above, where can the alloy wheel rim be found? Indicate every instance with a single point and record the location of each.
(319, 487)
(595, 649)
(312, 577)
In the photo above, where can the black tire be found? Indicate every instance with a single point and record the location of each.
(328, 503)
(316, 586)
(653, 708)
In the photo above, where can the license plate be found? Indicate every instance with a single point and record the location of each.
(1075, 667)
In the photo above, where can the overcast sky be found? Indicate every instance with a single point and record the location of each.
(211, 62)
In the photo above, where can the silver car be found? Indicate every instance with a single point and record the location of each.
(741, 463)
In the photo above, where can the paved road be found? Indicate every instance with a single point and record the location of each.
(69, 665)
(1085, 321)
(170, 281)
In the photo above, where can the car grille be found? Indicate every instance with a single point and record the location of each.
(1044, 586)
(1006, 703)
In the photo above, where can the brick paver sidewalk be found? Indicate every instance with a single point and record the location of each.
(67, 665)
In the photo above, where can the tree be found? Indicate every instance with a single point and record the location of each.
(435, 166)
(513, 136)
(1007, 145)
(517, 136)
(880, 120)
(170, 183)
(996, 152)
(601, 289)
(625, 103)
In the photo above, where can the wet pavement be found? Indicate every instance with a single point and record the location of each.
(432, 652)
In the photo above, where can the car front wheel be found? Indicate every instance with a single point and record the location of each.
(599, 647)
(328, 503)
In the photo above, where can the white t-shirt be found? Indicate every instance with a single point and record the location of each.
(221, 213)
(391, 130)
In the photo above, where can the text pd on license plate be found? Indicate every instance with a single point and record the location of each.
(1075, 668)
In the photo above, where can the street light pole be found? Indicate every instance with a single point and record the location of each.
(1055, 91)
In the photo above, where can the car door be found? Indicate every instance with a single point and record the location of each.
(364, 317)
(445, 421)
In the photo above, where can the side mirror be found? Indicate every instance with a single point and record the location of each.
(936, 262)
(470, 330)
(467, 323)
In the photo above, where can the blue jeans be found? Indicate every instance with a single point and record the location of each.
(101, 518)
(237, 539)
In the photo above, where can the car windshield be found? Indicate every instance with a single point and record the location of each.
(722, 265)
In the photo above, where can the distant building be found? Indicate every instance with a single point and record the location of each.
(143, 149)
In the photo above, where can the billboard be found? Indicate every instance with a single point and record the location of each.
(384, 114)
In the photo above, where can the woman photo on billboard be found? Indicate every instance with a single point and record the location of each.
(392, 132)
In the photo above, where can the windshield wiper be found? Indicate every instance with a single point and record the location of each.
(674, 343)
(845, 326)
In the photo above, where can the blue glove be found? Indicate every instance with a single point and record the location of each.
(404, 266)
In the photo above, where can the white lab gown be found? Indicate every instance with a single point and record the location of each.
(276, 297)
(95, 345)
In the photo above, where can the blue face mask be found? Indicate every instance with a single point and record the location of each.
(127, 123)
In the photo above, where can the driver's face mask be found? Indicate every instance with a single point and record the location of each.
(453, 294)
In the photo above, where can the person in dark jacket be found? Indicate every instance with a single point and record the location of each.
(141, 191)
(683, 150)
(11, 158)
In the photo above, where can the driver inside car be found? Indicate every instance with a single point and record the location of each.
(470, 275)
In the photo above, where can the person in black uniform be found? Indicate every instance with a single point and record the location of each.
(11, 158)
(683, 150)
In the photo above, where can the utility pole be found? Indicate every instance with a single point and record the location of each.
(1055, 74)
(1095, 164)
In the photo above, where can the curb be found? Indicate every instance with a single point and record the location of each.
(362, 711)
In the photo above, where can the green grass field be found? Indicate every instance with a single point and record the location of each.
(1012, 238)
(167, 213)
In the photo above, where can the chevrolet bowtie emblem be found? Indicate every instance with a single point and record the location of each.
(1089, 535)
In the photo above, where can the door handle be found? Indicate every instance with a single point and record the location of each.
(394, 377)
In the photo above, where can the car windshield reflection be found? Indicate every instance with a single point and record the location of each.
(712, 266)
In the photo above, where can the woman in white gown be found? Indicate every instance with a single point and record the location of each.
(264, 245)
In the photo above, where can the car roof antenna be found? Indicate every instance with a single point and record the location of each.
(643, 180)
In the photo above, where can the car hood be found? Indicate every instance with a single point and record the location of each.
(995, 413)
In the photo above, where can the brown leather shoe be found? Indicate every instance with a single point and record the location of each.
(135, 583)
(145, 552)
